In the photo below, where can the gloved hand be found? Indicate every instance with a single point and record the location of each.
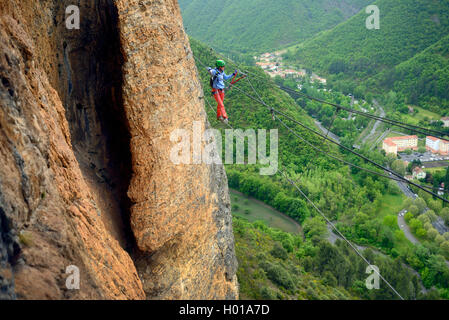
(235, 72)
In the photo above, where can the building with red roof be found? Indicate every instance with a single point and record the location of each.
(397, 144)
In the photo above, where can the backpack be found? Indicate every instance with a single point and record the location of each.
(213, 78)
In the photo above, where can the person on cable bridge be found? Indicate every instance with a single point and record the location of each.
(218, 76)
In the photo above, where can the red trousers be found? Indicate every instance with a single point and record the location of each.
(219, 97)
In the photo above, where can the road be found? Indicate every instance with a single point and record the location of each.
(332, 238)
(381, 137)
(405, 228)
(377, 123)
(400, 133)
(440, 225)
(324, 130)
(405, 189)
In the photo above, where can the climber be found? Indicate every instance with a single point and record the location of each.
(218, 76)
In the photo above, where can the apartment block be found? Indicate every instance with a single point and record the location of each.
(436, 145)
(397, 144)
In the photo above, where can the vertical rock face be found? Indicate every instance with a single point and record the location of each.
(180, 214)
(86, 179)
(47, 209)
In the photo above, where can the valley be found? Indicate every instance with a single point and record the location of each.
(366, 208)
(224, 150)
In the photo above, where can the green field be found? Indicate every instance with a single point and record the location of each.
(434, 170)
(252, 210)
(390, 205)
(421, 115)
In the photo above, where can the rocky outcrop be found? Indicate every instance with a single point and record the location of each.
(86, 180)
(180, 213)
(44, 192)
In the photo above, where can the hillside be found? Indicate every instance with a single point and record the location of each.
(423, 79)
(259, 25)
(269, 271)
(358, 201)
(407, 27)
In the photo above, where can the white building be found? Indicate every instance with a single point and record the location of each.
(445, 121)
(436, 145)
(418, 173)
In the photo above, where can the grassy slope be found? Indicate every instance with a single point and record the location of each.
(391, 204)
(390, 207)
(422, 115)
(258, 25)
(259, 211)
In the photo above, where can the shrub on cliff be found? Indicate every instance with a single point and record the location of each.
(278, 251)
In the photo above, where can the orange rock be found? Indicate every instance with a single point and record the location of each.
(86, 179)
(181, 213)
(43, 191)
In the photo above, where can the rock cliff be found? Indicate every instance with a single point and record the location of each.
(86, 178)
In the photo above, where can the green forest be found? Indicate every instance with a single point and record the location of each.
(408, 54)
(363, 206)
(422, 80)
(277, 265)
(253, 26)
